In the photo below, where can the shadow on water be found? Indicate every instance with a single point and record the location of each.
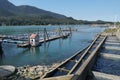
(34, 50)
(46, 46)
(21, 53)
(1, 51)
(110, 66)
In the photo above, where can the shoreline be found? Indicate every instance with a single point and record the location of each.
(91, 25)
(31, 72)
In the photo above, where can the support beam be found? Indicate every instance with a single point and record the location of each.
(70, 30)
(104, 76)
(111, 40)
(88, 63)
(60, 32)
(112, 47)
(46, 37)
(112, 43)
(62, 69)
(110, 56)
(81, 58)
(66, 77)
(74, 61)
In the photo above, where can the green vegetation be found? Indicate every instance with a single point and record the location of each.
(44, 20)
(118, 23)
(29, 15)
(111, 30)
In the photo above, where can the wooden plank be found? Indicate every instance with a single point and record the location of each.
(74, 61)
(101, 76)
(79, 52)
(110, 56)
(83, 55)
(117, 43)
(83, 71)
(66, 77)
(64, 70)
(112, 47)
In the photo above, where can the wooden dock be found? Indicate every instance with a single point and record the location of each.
(27, 42)
(24, 45)
(77, 66)
(104, 76)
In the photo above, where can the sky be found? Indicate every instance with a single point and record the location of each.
(107, 10)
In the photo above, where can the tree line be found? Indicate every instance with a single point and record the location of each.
(44, 20)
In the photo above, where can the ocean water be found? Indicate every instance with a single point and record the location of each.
(49, 53)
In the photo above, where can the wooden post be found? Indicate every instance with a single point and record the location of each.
(60, 32)
(70, 30)
(29, 39)
(44, 35)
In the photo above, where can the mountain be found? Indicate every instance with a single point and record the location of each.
(11, 14)
(9, 9)
(33, 11)
(4, 12)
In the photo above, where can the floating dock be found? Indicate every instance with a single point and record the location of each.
(24, 45)
(26, 41)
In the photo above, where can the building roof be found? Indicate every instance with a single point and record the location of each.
(33, 36)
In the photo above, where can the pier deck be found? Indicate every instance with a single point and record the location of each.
(104, 76)
(108, 63)
(79, 65)
(42, 41)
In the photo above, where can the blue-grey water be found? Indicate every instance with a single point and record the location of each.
(49, 53)
(106, 64)
(109, 66)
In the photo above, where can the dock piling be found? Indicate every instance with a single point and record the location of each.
(45, 35)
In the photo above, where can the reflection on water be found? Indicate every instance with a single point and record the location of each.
(34, 50)
(49, 52)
